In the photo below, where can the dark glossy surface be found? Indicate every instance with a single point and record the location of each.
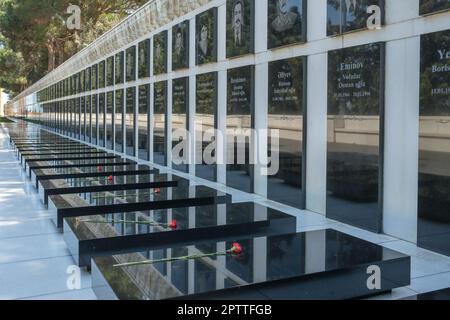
(110, 120)
(130, 121)
(144, 59)
(180, 45)
(355, 135)
(439, 295)
(206, 36)
(205, 124)
(160, 123)
(432, 6)
(135, 200)
(286, 22)
(143, 128)
(240, 111)
(286, 105)
(180, 124)
(342, 19)
(80, 163)
(119, 120)
(131, 64)
(240, 27)
(160, 53)
(434, 153)
(311, 265)
(86, 236)
(119, 65)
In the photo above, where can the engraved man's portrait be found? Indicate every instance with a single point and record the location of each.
(285, 18)
(238, 24)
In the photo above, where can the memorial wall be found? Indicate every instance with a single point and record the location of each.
(200, 73)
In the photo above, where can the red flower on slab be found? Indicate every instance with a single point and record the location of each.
(99, 168)
(236, 249)
(157, 191)
(111, 178)
(173, 225)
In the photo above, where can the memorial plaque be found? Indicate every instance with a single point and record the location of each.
(130, 125)
(143, 122)
(180, 124)
(131, 64)
(94, 117)
(351, 15)
(110, 71)
(101, 120)
(285, 113)
(110, 120)
(434, 151)
(101, 74)
(144, 59)
(94, 76)
(355, 135)
(88, 119)
(87, 78)
(119, 66)
(286, 22)
(206, 36)
(205, 125)
(82, 84)
(240, 27)
(160, 123)
(83, 118)
(180, 45)
(119, 121)
(160, 53)
(433, 6)
(240, 110)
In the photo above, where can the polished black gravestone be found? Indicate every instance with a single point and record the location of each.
(62, 207)
(37, 164)
(160, 53)
(40, 169)
(50, 151)
(439, 295)
(240, 27)
(433, 6)
(124, 232)
(206, 37)
(68, 156)
(93, 171)
(107, 183)
(180, 45)
(315, 265)
(286, 22)
(31, 156)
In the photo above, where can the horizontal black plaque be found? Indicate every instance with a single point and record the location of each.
(206, 36)
(286, 22)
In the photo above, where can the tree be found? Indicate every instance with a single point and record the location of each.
(34, 37)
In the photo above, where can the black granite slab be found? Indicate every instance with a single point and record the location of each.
(35, 164)
(117, 233)
(60, 156)
(324, 264)
(48, 155)
(443, 294)
(102, 184)
(61, 207)
(47, 151)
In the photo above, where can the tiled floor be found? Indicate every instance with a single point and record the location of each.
(34, 260)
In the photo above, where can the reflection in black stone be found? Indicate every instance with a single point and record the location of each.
(180, 45)
(286, 22)
(240, 27)
(130, 125)
(88, 119)
(94, 117)
(94, 77)
(131, 64)
(206, 36)
(433, 6)
(118, 67)
(160, 123)
(354, 161)
(144, 59)
(143, 123)
(109, 120)
(101, 74)
(349, 15)
(286, 78)
(160, 53)
(101, 119)
(119, 120)
(82, 118)
(239, 124)
(87, 77)
(110, 71)
(205, 125)
(180, 103)
(434, 151)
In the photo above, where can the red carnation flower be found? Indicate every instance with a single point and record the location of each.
(236, 249)
(111, 178)
(173, 225)
(157, 191)
(100, 168)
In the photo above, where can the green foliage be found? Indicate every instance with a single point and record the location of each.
(34, 38)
